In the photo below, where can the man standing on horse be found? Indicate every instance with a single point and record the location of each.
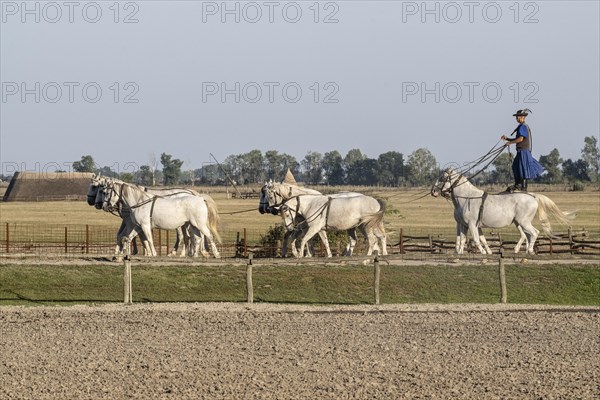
(524, 166)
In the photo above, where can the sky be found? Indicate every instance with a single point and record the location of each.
(127, 81)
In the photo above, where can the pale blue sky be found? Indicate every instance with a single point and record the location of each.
(389, 77)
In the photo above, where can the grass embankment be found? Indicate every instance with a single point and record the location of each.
(532, 284)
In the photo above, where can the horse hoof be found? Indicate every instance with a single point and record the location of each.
(455, 261)
(484, 261)
(524, 261)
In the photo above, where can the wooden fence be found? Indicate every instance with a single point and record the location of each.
(101, 240)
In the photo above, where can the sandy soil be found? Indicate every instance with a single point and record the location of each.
(264, 351)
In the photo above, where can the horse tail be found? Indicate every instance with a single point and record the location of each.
(213, 217)
(375, 221)
(545, 206)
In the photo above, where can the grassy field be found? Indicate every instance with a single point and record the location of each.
(341, 284)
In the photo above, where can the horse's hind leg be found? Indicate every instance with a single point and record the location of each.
(380, 233)
(531, 233)
(522, 239)
(203, 230)
(352, 239)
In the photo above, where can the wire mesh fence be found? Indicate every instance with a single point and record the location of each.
(78, 240)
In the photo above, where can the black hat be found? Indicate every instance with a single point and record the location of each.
(522, 113)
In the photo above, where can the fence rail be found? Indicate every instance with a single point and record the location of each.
(21, 238)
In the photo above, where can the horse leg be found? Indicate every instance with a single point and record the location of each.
(380, 233)
(149, 243)
(484, 241)
(461, 238)
(532, 233)
(475, 232)
(203, 232)
(310, 232)
(323, 236)
(351, 242)
(522, 239)
(284, 244)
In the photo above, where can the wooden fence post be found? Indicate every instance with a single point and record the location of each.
(127, 289)
(7, 238)
(401, 241)
(66, 241)
(377, 276)
(245, 243)
(249, 286)
(159, 242)
(430, 243)
(167, 239)
(87, 239)
(503, 295)
(571, 239)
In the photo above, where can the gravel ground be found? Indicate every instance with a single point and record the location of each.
(264, 351)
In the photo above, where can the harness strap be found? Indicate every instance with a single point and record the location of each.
(152, 209)
(485, 195)
(328, 205)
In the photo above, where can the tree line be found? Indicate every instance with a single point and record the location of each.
(390, 169)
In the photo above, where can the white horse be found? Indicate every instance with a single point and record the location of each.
(342, 213)
(275, 194)
(164, 212)
(475, 209)
(129, 229)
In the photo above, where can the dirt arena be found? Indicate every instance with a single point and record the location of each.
(266, 351)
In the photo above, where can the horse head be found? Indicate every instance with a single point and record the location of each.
(445, 183)
(110, 196)
(268, 202)
(96, 182)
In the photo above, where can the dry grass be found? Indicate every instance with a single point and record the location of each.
(425, 215)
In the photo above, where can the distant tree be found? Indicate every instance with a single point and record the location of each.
(575, 170)
(145, 176)
(390, 168)
(591, 155)
(253, 166)
(153, 162)
(274, 167)
(86, 164)
(333, 168)
(107, 171)
(551, 164)
(353, 156)
(312, 165)
(422, 167)
(171, 169)
(362, 172)
(126, 177)
(502, 169)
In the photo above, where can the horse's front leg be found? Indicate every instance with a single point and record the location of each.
(484, 242)
(323, 236)
(461, 238)
(149, 243)
(310, 232)
(475, 232)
